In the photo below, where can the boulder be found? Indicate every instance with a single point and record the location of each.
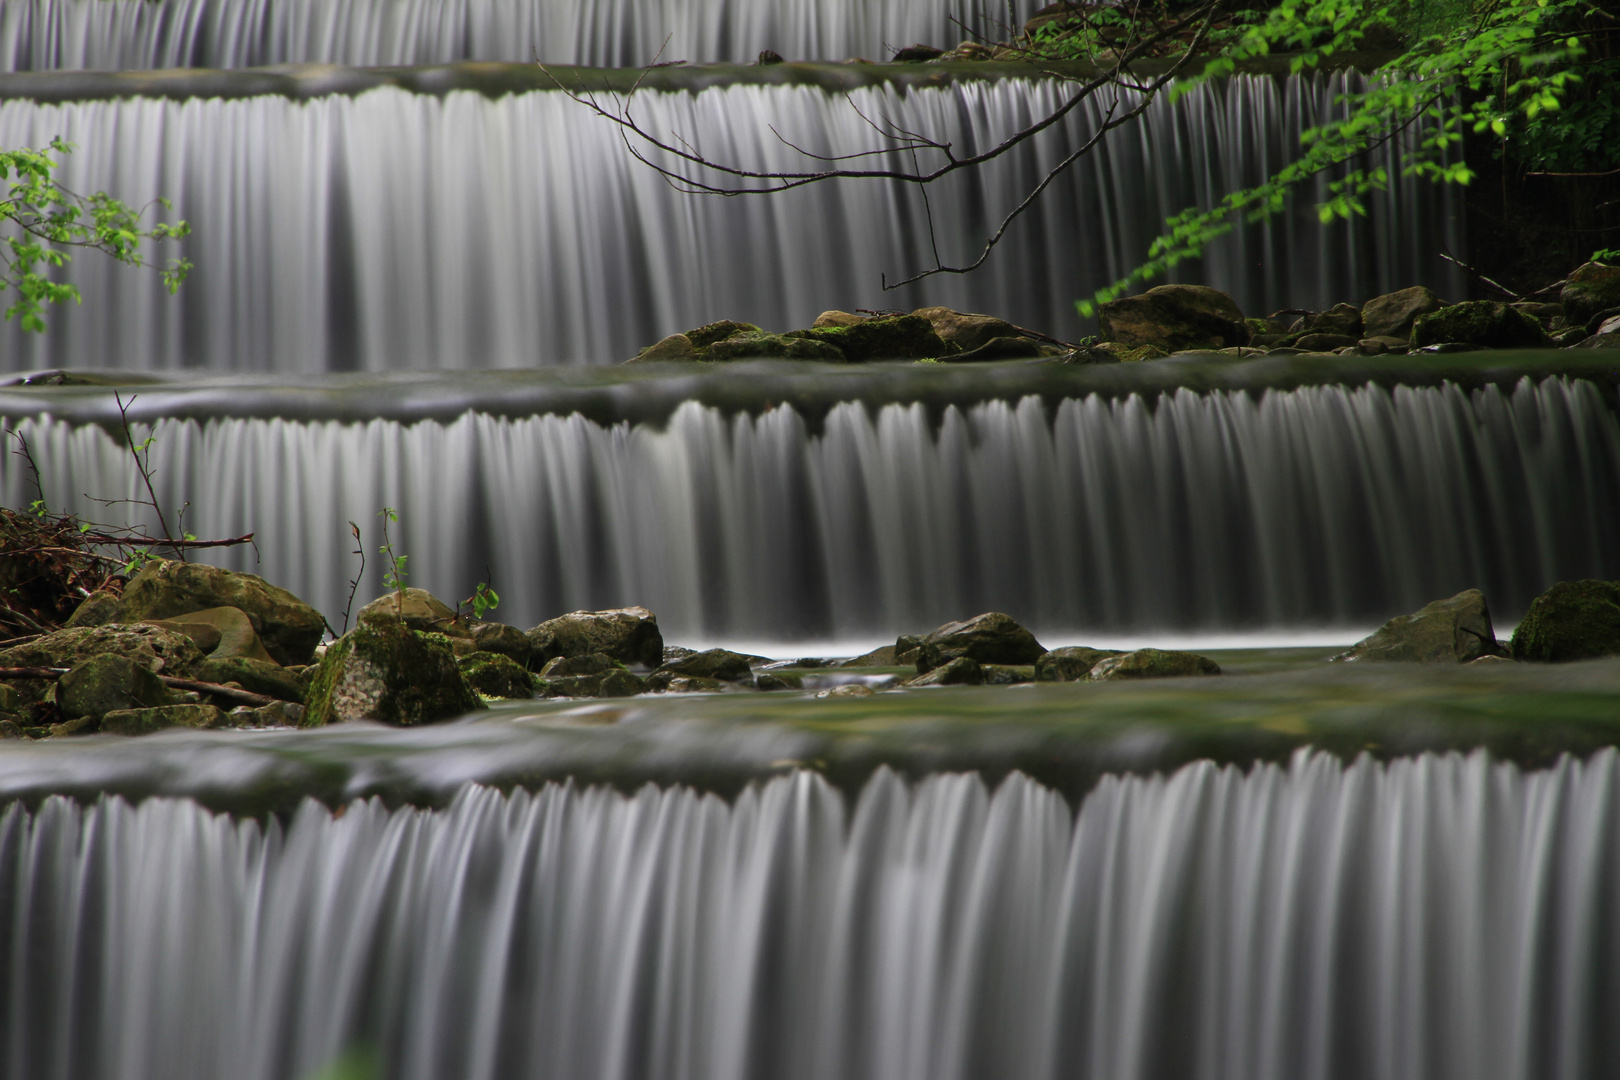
(1343, 320)
(764, 346)
(1152, 664)
(906, 647)
(146, 721)
(1573, 620)
(890, 337)
(103, 684)
(1598, 341)
(562, 667)
(708, 334)
(1127, 354)
(913, 54)
(620, 683)
(629, 635)
(280, 714)
(771, 681)
(1007, 674)
(882, 656)
(847, 690)
(229, 629)
(391, 674)
(1005, 348)
(10, 728)
(10, 700)
(258, 676)
(991, 638)
(1320, 342)
(1606, 321)
(1486, 323)
(1542, 313)
(1589, 289)
(1175, 318)
(836, 318)
(289, 628)
(499, 638)
(98, 609)
(419, 609)
(710, 664)
(959, 671)
(1393, 314)
(677, 348)
(1072, 663)
(686, 684)
(152, 647)
(965, 330)
(677, 652)
(496, 675)
(1450, 631)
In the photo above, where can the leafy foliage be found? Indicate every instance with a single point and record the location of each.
(41, 222)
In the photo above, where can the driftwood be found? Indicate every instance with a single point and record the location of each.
(235, 693)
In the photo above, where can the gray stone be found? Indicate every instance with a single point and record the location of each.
(710, 664)
(1455, 630)
(1589, 289)
(1598, 341)
(965, 330)
(1485, 323)
(499, 638)
(690, 684)
(837, 318)
(289, 628)
(677, 348)
(704, 336)
(772, 681)
(1341, 320)
(1320, 342)
(391, 674)
(11, 726)
(1175, 318)
(1393, 314)
(418, 609)
(496, 675)
(106, 683)
(1152, 664)
(146, 721)
(882, 656)
(1007, 674)
(562, 667)
(151, 647)
(775, 347)
(889, 337)
(98, 609)
(629, 635)
(991, 638)
(620, 683)
(846, 690)
(1573, 620)
(1072, 663)
(259, 676)
(220, 633)
(959, 671)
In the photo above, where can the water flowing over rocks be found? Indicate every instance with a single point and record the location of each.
(1455, 630)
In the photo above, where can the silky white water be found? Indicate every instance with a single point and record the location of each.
(1436, 918)
(1324, 506)
(38, 35)
(394, 231)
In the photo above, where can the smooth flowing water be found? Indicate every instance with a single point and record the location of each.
(1437, 918)
(1321, 506)
(394, 231)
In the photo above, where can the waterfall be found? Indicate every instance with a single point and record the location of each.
(393, 231)
(1321, 506)
(39, 35)
(1437, 918)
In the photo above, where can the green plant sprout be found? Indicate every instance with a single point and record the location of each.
(483, 599)
(394, 575)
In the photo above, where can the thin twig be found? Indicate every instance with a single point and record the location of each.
(1476, 275)
(235, 693)
(140, 465)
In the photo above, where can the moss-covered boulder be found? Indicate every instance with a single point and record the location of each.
(392, 674)
(629, 635)
(966, 330)
(1451, 631)
(1072, 663)
(891, 337)
(1573, 620)
(499, 638)
(1393, 314)
(1152, 664)
(98, 609)
(1125, 354)
(710, 664)
(763, 346)
(418, 609)
(1342, 319)
(1175, 318)
(160, 718)
(676, 348)
(1589, 289)
(958, 671)
(289, 628)
(1486, 323)
(154, 648)
(258, 676)
(991, 638)
(221, 632)
(704, 336)
(495, 675)
(103, 684)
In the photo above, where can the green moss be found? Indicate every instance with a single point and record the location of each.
(760, 346)
(391, 674)
(893, 337)
(707, 335)
(497, 676)
(1573, 620)
(1479, 322)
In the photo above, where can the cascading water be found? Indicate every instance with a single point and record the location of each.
(1320, 506)
(395, 231)
(39, 35)
(1438, 918)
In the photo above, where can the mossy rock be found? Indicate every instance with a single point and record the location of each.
(1175, 318)
(1130, 354)
(1486, 323)
(1589, 289)
(762, 346)
(629, 635)
(495, 675)
(959, 671)
(1072, 663)
(390, 674)
(289, 628)
(257, 676)
(1450, 631)
(154, 648)
(991, 638)
(103, 684)
(707, 335)
(1153, 664)
(418, 608)
(709, 664)
(1573, 620)
(147, 721)
(891, 337)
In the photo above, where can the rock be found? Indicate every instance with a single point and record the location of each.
(152, 647)
(1372, 347)
(1393, 314)
(1004, 348)
(676, 652)
(276, 714)
(1589, 289)
(146, 721)
(959, 671)
(499, 638)
(1175, 318)
(419, 609)
(1489, 660)
(1573, 620)
(10, 700)
(259, 676)
(768, 57)
(890, 337)
(202, 635)
(913, 54)
(562, 667)
(229, 628)
(1606, 321)
(1455, 630)
(906, 647)
(836, 318)
(846, 690)
(1152, 664)
(103, 684)
(963, 329)
(629, 635)
(1486, 323)
(882, 656)
(496, 675)
(1072, 663)
(688, 684)
(389, 673)
(677, 348)
(1343, 320)
(98, 609)
(1007, 674)
(1130, 354)
(10, 728)
(289, 628)
(710, 664)
(708, 334)
(1542, 313)
(1391, 344)
(991, 638)
(1598, 341)
(970, 50)
(1316, 342)
(771, 681)
(764, 346)
(1449, 347)
(620, 683)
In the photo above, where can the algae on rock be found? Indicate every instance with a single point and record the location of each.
(391, 674)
